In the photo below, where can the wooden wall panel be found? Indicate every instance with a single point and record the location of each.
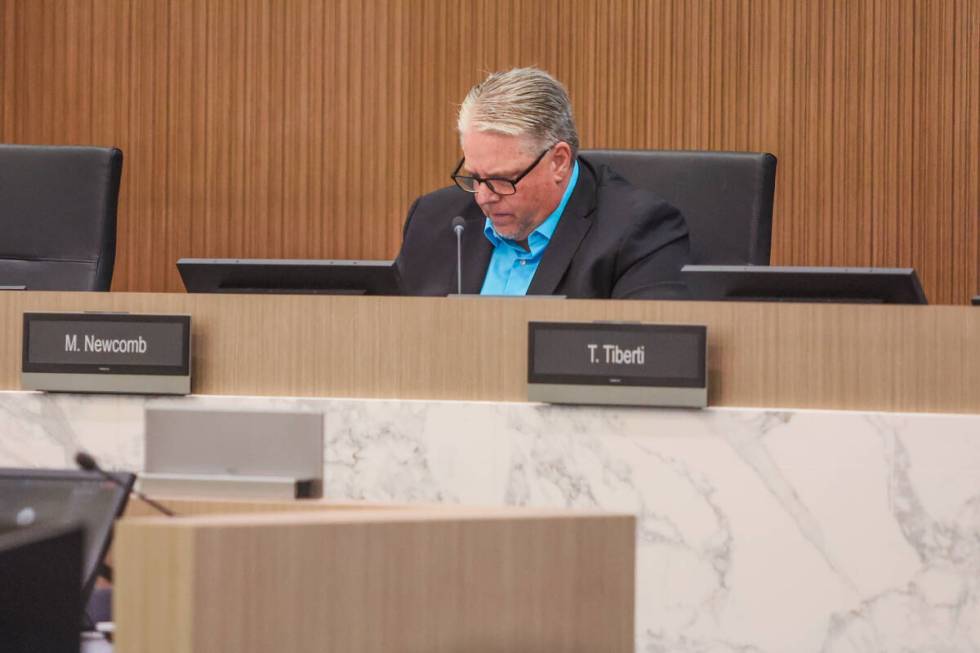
(5, 37)
(305, 128)
(5, 63)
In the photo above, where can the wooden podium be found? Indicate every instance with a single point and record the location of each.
(328, 577)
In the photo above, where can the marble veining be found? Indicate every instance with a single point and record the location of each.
(758, 531)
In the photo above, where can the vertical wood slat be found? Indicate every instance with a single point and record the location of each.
(5, 62)
(304, 129)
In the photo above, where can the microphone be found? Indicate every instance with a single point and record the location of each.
(87, 462)
(458, 225)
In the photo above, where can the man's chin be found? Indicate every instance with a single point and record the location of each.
(509, 232)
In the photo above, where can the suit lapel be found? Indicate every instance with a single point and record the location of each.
(575, 222)
(476, 252)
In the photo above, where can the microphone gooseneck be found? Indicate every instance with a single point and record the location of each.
(87, 462)
(458, 225)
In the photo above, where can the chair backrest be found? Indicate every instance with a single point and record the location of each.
(726, 197)
(58, 216)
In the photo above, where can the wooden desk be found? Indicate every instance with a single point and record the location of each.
(375, 579)
(835, 356)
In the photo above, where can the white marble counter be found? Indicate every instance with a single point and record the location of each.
(759, 531)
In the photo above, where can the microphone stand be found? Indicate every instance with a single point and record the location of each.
(458, 225)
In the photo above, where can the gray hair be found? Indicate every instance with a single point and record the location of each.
(521, 102)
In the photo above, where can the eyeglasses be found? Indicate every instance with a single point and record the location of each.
(497, 185)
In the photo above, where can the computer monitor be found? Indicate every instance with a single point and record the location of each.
(40, 597)
(289, 276)
(38, 497)
(803, 284)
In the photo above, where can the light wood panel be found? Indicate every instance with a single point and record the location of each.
(255, 128)
(184, 506)
(442, 580)
(905, 358)
(5, 37)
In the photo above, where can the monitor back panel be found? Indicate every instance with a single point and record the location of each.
(31, 498)
(234, 443)
(40, 596)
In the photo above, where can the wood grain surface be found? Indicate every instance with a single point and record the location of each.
(254, 128)
(436, 580)
(835, 356)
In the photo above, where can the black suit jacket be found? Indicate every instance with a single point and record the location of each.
(613, 240)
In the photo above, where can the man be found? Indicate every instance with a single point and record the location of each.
(538, 219)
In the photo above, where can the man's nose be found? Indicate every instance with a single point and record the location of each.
(484, 195)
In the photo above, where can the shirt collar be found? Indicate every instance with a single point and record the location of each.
(541, 236)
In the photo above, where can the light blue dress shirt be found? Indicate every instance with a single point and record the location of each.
(512, 267)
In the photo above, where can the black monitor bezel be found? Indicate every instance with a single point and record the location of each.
(289, 276)
(763, 283)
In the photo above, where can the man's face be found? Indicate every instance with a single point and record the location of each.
(498, 155)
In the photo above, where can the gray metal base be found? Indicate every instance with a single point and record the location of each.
(147, 384)
(228, 487)
(618, 395)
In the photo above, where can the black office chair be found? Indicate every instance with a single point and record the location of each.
(58, 216)
(725, 196)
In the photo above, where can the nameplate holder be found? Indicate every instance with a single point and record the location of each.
(107, 352)
(625, 364)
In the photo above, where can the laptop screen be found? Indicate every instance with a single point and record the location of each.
(36, 497)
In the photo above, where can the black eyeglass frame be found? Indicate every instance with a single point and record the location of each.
(489, 180)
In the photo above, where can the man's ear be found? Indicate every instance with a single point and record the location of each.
(561, 161)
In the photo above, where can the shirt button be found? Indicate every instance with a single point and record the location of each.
(523, 262)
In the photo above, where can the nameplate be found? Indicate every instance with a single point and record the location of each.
(107, 352)
(618, 364)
